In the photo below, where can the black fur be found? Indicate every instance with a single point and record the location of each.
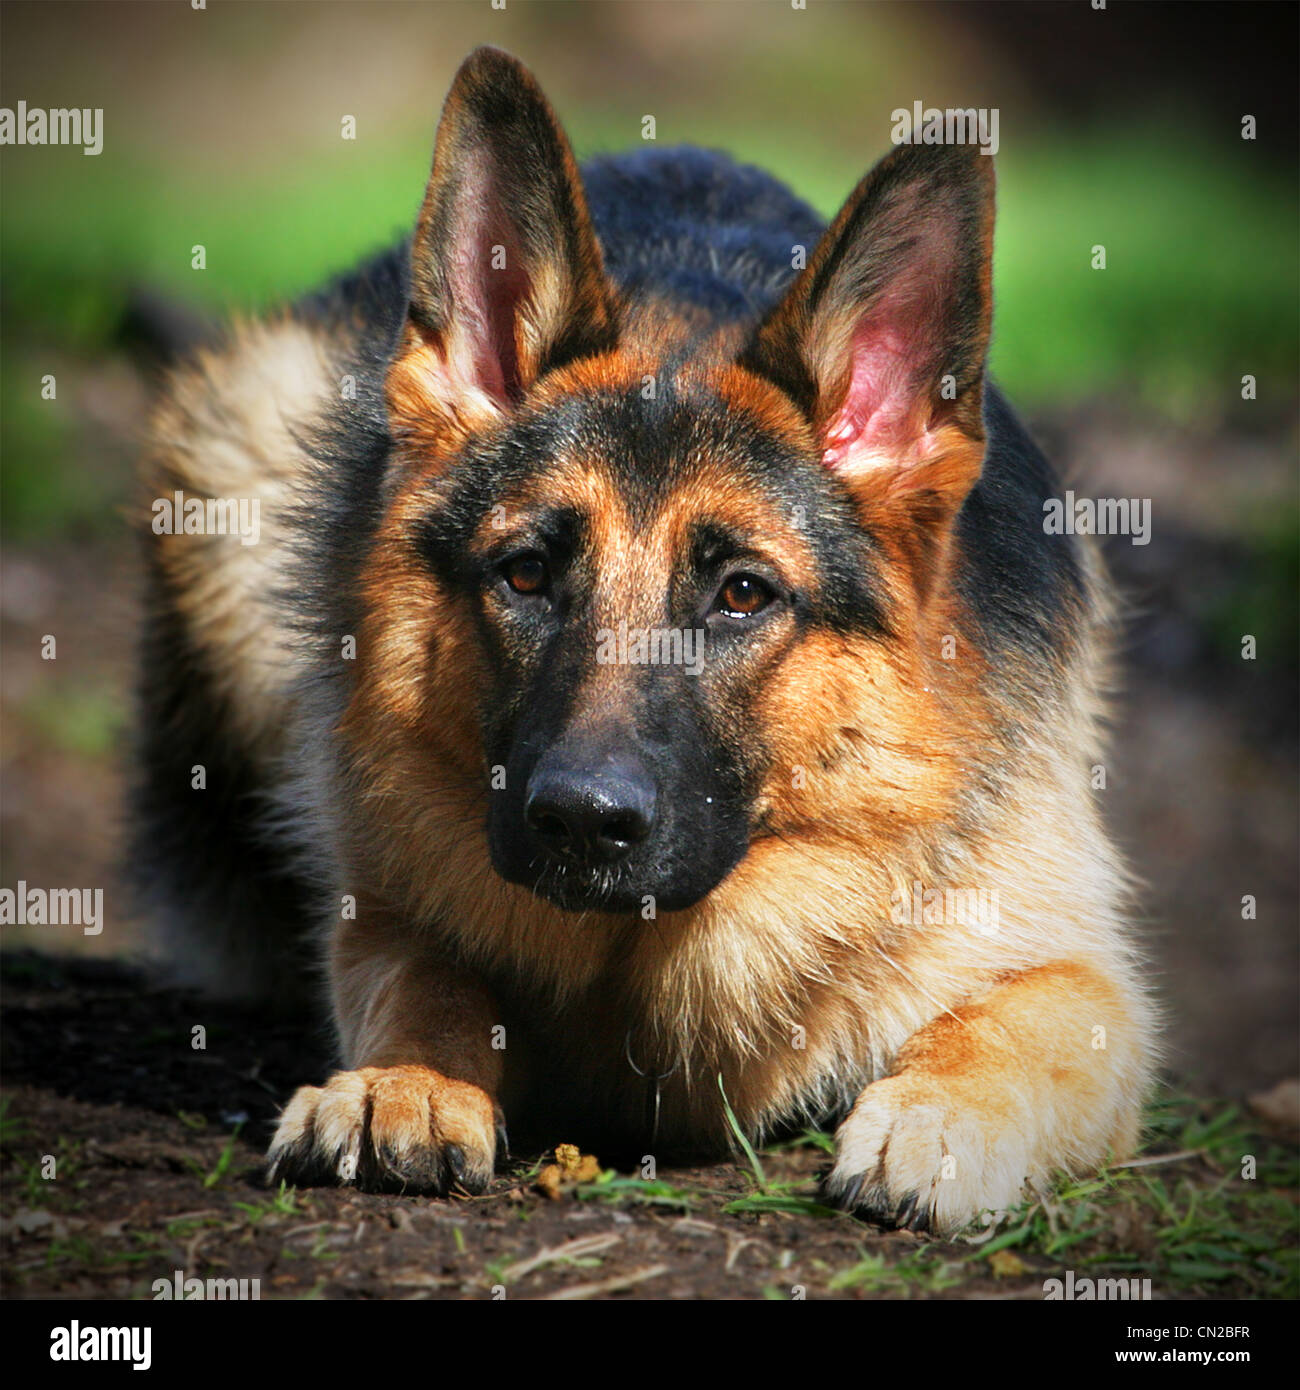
(205, 856)
(695, 226)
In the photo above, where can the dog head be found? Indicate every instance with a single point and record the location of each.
(646, 574)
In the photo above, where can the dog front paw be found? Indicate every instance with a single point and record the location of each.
(912, 1154)
(386, 1129)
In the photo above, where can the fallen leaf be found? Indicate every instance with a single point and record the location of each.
(33, 1221)
(26, 1221)
(1006, 1264)
(571, 1166)
(1279, 1106)
(549, 1181)
(567, 1156)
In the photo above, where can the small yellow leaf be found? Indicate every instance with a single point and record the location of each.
(548, 1181)
(1006, 1264)
(571, 1166)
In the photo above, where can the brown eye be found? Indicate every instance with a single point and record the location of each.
(526, 574)
(743, 595)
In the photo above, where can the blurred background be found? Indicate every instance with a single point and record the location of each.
(1120, 127)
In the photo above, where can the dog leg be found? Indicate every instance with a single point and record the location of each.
(416, 1109)
(1044, 1072)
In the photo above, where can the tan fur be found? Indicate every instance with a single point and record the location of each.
(997, 1093)
(228, 427)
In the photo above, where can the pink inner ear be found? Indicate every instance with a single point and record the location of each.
(896, 345)
(486, 299)
(879, 409)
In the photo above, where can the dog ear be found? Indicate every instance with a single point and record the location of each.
(507, 279)
(881, 340)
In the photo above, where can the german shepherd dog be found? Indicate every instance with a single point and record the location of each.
(652, 684)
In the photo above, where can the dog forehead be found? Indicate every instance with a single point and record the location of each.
(663, 440)
(642, 479)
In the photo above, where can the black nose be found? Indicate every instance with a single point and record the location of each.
(589, 808)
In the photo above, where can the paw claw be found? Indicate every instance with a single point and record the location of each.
(503, 1139)
(843, 1192)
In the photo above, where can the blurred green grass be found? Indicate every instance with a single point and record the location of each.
(1201, 285)
(85, 722)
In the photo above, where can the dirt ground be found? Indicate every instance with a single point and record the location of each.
(157, 1167)
(103, 1061)
(98, 1070)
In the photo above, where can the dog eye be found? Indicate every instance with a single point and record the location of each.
(526, 574)
(743, 595)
